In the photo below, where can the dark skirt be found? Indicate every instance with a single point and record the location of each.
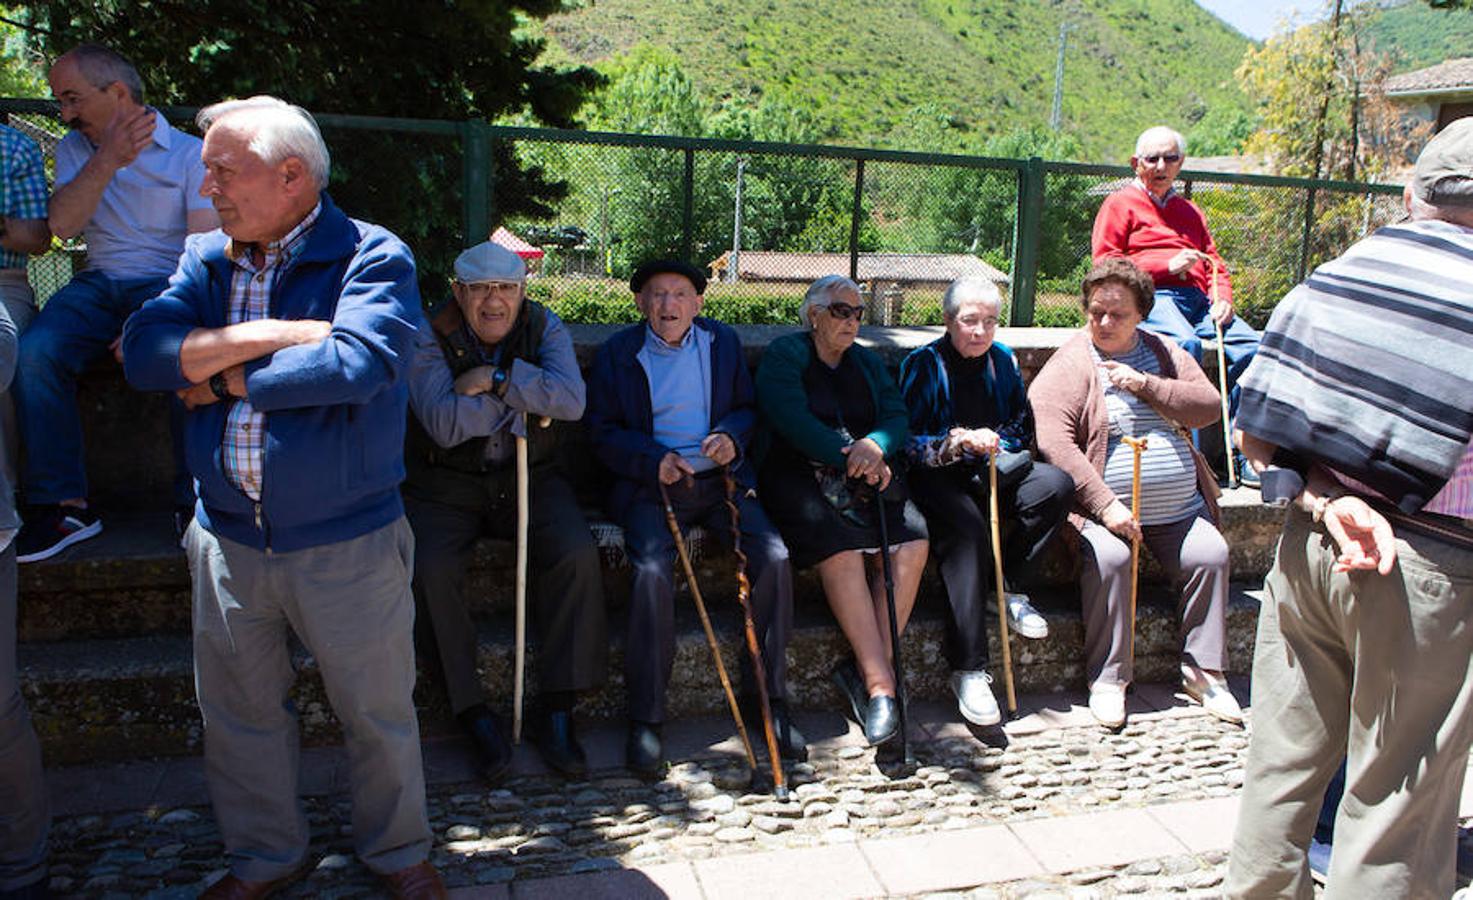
(813, 529)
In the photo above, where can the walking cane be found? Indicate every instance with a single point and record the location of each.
(900, 693)
(754, 650)
(695, 592)
(1138, 445)
(519, 667)
(1222, 388)
(1002, 609)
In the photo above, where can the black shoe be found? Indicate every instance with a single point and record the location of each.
(491, 746)
(851, 687)
(48, 530)
(644, 752)
(554, 736)
(790, 741)
(882, 721)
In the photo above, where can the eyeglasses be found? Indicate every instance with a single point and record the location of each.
(1153, 158)
(844, 311)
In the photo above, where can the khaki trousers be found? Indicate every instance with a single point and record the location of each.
(1375, 668)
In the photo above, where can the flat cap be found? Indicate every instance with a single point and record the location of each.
(655, 267)
(1444, 173)
(489, 262)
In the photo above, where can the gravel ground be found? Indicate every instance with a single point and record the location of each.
(535, 827)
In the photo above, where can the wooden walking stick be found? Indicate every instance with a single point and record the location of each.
(1138, 445)
(519, 670)
(1002, 608)
(695, 592)
(754, 649)
(519, 666)
(1222, 388)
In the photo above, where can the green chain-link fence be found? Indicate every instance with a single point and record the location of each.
(766, 219)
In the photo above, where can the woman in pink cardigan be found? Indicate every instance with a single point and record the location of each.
(1114, 380)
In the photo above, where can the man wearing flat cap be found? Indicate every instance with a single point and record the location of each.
(492, 361)
(671, 403)
(1359, 411)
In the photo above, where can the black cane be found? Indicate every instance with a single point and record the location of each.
(894, 627)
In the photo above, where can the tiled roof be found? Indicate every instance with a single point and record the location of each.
(1451, 75)
(765, 265)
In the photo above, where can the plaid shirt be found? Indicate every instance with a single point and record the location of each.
(243, 445)
(22, 185)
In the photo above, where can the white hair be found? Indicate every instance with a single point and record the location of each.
(821, 293)
(972, 287)
(278, 130)
(1160, 133)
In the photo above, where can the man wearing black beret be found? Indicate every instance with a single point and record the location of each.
(670, 402)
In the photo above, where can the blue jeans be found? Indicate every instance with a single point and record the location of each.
(71, 332)
(1180, 314)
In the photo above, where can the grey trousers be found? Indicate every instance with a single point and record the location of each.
(1195, 557)
(24, 816)
(20, 302)
(1378, 669)
(449, 510)
(350, 604)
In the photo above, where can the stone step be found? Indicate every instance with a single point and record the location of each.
(132, 581)
(125, 698)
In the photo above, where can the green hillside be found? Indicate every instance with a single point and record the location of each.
(861, 66)
(1418, 35)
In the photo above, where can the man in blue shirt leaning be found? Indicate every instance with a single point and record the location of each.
(130, 185)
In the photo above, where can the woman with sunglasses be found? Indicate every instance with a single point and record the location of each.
(838, 425)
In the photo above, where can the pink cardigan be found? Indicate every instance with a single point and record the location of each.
(1073, 427)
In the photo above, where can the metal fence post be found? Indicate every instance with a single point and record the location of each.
(475, 174)
(854, 220)
(1027, 229)
(1304, 239)
(687, 226)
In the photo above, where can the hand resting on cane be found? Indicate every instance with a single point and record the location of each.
(867, 461)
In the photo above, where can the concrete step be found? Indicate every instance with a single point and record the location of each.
(132, 581)
(130, 697)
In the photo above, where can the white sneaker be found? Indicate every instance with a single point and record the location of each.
(1210, 689)
(1023, 618)
(974, 698)
(1107, 703)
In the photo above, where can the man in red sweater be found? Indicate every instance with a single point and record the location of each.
(1166, 236)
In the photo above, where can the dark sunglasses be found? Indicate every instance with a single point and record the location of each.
(844, 311)
(1157, 157)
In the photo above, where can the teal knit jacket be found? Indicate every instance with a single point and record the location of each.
(784, 404)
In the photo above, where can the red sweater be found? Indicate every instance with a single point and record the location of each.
(1130, 224)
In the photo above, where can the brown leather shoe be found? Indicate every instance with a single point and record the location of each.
(418, 882)
(233, 888)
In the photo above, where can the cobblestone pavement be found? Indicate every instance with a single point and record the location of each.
(536, 826)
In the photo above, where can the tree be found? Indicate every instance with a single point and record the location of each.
(436, 60)
(21, 70)
(1321, 102)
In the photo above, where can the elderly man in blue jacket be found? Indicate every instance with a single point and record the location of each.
(289, 334)
(670, 402)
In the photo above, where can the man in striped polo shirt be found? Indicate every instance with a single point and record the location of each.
(1359, 411)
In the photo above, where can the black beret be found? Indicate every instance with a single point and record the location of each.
(661, 266)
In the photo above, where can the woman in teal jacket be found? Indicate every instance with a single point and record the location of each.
(838, 424)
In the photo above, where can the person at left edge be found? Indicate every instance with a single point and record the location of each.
(129, 184)
(493, 359)
(289, 334)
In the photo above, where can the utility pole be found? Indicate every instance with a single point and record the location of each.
(733, 271)
(1058, 113)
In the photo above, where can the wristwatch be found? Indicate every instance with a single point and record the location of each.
(219, 387)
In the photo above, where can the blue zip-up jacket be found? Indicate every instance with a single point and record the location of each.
(927, 388)
(621, 423)
(335, 410)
